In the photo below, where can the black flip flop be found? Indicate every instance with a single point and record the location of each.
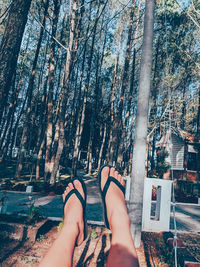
(83, 202)
(105, 189)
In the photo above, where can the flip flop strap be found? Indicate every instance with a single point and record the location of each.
(76, 192)
(107, 184)
(82, 183)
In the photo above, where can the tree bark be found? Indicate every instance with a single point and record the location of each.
(97, 100)
(27, 123)
(58, 154)
(82, 114)
(10, 47)
(139, 152)
(198, 115)
(64, 95)
(154, 96)
(110, 151)
(51, 78)
(12, 107)
(118, 124)
(102, 147)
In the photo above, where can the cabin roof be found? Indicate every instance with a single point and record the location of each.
(192, 138)
(183, 135)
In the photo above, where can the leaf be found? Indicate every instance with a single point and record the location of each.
(93, 234)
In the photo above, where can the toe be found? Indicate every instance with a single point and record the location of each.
(78, 186)
(70, 185)
(105, 172)
(121, 180)
(104, 175)
(112, 172)
(65, 193)
(116, 175)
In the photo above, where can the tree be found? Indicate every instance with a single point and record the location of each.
(139, 152)
(51, 78)
(27, 124)
(59, 135)
(198, 114)
(117, 127)
(10, 47)
(76, 83)
(81, 118)
(4, 10)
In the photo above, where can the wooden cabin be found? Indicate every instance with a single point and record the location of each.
(185, 151)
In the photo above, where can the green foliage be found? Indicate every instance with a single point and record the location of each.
(28, 260)
(41, 238)
(162, 166)
(166, 255)
(23, 258)
(93, 234)
(3, 7)
(169, 7)
(168, 258)
(60, 226)
(34, 212)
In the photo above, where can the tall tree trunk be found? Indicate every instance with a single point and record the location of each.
(77, 92)
(97, 96)
(102, 147)
(81, 119)
(51, 77)
(139, 152)
(39, 157)
(10, 47)
(198, 115)
(58, 153)
(131, 100)
(27, 123)
(154, 96)
(42, 120)
(118, 124)
(43, 102)
(63, 96)
(182, 118)
(12, 106)
(110, 151)
(14, 130)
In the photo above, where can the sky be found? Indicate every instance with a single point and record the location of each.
(184, 3)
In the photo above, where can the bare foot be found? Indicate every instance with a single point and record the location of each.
(73, 211)
(115, 201)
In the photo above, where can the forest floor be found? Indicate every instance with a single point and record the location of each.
(155, 249)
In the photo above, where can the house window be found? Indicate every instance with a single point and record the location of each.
(192, 161)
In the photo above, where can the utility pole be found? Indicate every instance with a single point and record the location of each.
(139, 150)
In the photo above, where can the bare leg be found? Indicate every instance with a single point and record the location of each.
(61, 252)
(122, 251)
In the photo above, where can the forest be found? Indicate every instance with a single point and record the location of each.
(70, 74)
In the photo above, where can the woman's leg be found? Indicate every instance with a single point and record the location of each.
(122, 251)
(61, 252)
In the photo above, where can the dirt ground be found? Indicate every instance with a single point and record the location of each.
(93, 252)
(159, 249)
(154, 251)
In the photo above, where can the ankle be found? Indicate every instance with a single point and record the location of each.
(71, 226)
(119, 219)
